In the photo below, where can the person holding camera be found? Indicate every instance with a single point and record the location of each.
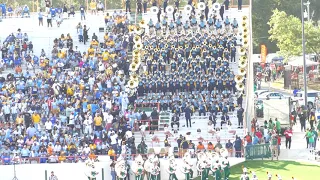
(53, 177)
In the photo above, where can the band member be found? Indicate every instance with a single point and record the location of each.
(145, 6)
(139, 6)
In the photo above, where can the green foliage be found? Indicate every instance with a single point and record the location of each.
(286, 31)
(262, 11)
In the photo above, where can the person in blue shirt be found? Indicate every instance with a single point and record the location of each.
(82, 12)
(3, 10)
(25, 10)
(25, 152)
(53, 12)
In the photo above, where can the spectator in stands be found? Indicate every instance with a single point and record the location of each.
(248, 139)
(175, 121)
(200, 147)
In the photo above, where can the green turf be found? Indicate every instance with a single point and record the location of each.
(287, 170)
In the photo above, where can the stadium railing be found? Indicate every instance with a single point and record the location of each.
(96, 158)
(257, 151)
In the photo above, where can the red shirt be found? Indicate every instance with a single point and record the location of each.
(288, 133)
(279, 140)
(259, 134)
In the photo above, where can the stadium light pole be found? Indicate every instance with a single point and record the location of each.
(304, 58)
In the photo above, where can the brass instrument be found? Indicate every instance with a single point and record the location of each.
(133, 84)
(244, 24)
(173, 46)
(243, 58)
(232, 45)
(133, 67)
(166, 45)
(201, 6)
(176, 49)
(244, 18)
(138, 46)
(243, 64)
(240, 86)
(180, 47)
(245, 43)
(188, 8)
(134, 76)
(137, 39)
(214, 47)
(210, 45)
(136, 52)
(245, 30)
(204, 43)
(154, 10)
(239, 79)
(156, 50)
(197, 46)
(245, 36)
(242, 71)
(242, 51)
(142, 23)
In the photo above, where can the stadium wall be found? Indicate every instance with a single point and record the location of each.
(67, 171)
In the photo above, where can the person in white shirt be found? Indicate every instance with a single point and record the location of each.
(128, 134)
(87, 126)
(57, 148)
(143, 129)
(86, 149)
(48, 126)
(113, 138)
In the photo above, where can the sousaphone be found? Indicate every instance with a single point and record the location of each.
(133, 67)
(169, 9)
(240, 86)
(242, 72)
(243, 64)
(138, 46)
(137, 39)
(154, 10)
(242, 51)
(201, 6)
(132, 84)
(188, 9)
(216, 6)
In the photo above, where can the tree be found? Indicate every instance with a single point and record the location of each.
(286, 32)
(262, 10)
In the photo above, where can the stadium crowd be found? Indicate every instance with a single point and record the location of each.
(80, 105)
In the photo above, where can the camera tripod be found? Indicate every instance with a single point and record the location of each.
(14, 171)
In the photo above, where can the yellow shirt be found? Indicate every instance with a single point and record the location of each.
(98, 121)
(94, 43)
(19, 121)
(93, 5)
(105, 56)
(111, 152)
(90, 51)
(93, 146)
(36, 118)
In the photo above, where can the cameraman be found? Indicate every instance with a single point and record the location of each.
(53, 177)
